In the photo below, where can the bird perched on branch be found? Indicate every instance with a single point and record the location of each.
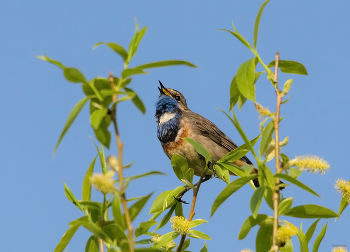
(176, 121)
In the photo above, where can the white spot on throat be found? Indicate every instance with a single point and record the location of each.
(166, 117)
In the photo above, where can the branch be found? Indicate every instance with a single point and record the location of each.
(120, 170)
(192, 212)
(277, 149)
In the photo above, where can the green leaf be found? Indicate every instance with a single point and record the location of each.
(256, 199)
(205, 248)
(263, 240)
(137, 101)
(297, 183)
(288, 66)
(199, 234)
(234, 155)
(146, 249)
(91, 205)
(136, 208)
(159, 201)
(166, 217)
(72, 198)
(234, 93)
(265, 175)
(73, 75)
(239, 37)
(66, 238)
(249, 223)
(116, 48)
(287, 86)
(166, 238)
(219, 172)
(236, 170)
(285, 205)
(132, 71)
(186, 244)
(311, 230)
(229, 190)
(52, 61)
(303, 241)
(268, 197)
(134, 43)
(196, 222)
(101, 154)
(170, 199)
(311, 211)
(343, 204)
(92, 244)
(97, 116)
(142, 175)
(200, 149)
(257, 22)
(294, 173)
(179, 165)
(189, 174)
(179, 210)
(94, 228)
(166, 63)
(86, 190)
(144, 227)
(319, 238)
(117, 212)
(288, 247)
(266, 137)
(245, 77)
(73, 114)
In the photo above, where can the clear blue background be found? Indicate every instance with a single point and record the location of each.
(35, 101)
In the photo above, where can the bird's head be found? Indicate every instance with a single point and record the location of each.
(170, 101)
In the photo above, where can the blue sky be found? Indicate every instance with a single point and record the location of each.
(36, 100)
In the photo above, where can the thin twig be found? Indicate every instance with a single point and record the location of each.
(277, 180)
(192, 212)
(120, 170)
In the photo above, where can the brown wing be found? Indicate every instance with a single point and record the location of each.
(210, 130)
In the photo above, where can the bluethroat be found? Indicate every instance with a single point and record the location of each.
(175, 121)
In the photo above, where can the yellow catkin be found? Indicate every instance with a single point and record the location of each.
(343, 187)
(340, 249)
(262, 111)
(284, 233)
(103, 182)
(180, 224)
(311, 164)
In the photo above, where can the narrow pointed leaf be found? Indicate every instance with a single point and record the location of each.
(52, 61)
(144, 227)
(166, 63)
(343, 204)
(200, 234)
(311, 230)
(249, 223)
(166, 238)
(86, 190)
(297, 183)
(137, 101)
(179, 165)
(166, 217)
(245, 77)
(73, 75)
(159, 201)
(72, 198)
(319, 238)
(229, 190)
(92, 244)
(205, 248)
(239, 37)
(170, 199)
(73, 114)
(257, 22)
(117, 212)
(116, 48)
(266, 137)
(66, 238)
(288, 66)
(285, 205)
(311, 211)
(263, 240)
(136, 208)
(303, 241)
(256, 200)
(142, 175)
(199, 148)
(97, 116)
(196, 222)
(132, 71)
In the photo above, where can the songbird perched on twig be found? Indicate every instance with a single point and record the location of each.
(176, 121)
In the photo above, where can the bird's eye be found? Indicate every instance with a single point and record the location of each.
(178, 98)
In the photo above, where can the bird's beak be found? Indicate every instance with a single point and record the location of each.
(163, 90)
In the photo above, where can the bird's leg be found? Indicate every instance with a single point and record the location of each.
(179, 198)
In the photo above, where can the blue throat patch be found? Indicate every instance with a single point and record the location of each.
(167, 132)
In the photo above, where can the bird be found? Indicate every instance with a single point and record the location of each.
(176, 121)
